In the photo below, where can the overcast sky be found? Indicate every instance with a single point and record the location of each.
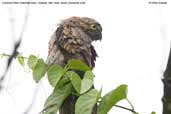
(133, 51)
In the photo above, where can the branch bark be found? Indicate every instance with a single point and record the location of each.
(167, 88)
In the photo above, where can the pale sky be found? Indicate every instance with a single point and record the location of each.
(133, 51)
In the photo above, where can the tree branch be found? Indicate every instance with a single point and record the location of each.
(8, 55)
(132, 110)
(167, 88)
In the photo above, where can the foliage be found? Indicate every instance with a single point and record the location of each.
(55, 100)
(55, 73)
(20, 59)
(66, 81)
(86, 102)
(111, 98)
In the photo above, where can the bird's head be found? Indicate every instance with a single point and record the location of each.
(90, 26)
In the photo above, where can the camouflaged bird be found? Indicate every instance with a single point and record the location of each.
(73, 40)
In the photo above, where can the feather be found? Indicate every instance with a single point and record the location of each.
(73, 40)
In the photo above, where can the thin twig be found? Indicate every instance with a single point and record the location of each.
(16, 46)
(8, 55)
(133, 111)
(25, 22)
(33, 100)
(12, 22)
(130, 103)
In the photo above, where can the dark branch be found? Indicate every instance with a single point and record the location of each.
(16, 46)
(167, 88)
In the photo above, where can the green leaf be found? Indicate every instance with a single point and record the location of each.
(86, 84)
(39, 70)
(20, 59)
(86, 102)
(75, 80)
(153, 112)
(32, 60)
(55, 72)
(89, 75)
(77, 65)
(55, 100)
(81, 86)
(111, 98)
(63, 81)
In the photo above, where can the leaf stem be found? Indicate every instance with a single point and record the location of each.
(66, 68)
(76, 94)
(7, 55)
(132, 110)
(130, 103)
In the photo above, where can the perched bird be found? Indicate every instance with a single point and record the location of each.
(73, 40)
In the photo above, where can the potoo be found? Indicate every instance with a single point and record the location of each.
(73, 40)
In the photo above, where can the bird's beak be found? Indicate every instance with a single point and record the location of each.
(100, 38)
(100, 31)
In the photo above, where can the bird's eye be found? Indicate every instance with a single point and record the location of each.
(93, 27)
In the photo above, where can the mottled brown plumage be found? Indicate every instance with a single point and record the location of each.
(73, 40)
